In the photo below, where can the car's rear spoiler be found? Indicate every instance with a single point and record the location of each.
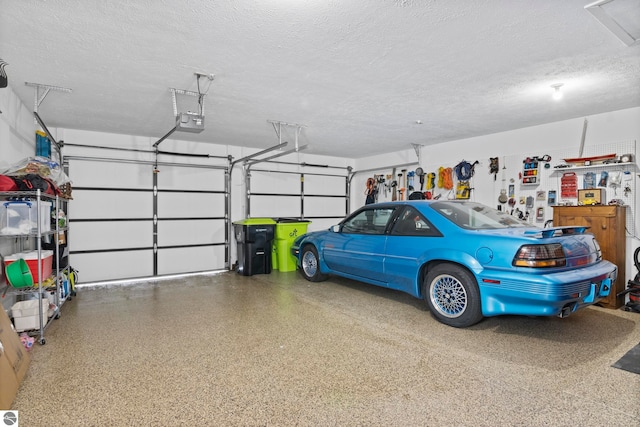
(557, 231)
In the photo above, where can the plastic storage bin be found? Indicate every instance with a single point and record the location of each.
(287, 230)
(254, 237)
(32, 261)
(21, 217)
(25, 314)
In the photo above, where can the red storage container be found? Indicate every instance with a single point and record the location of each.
(32, 261)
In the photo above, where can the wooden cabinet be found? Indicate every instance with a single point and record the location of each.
(607, 223)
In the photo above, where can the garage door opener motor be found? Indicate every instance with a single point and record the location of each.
(190, 121)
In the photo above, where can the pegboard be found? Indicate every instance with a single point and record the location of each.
(487, 186)
(550, 180)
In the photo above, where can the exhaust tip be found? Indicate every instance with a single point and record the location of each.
(567, 310)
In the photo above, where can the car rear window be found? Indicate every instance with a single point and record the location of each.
(476, 216)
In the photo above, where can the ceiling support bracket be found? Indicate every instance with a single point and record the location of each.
(41, 92)
(174, 99)
(418, 149)
(277, 127)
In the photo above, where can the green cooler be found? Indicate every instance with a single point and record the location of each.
(287, 230)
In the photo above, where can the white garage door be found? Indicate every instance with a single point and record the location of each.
(318, 197)
(120, 228)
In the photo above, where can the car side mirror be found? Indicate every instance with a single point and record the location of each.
(335, 229)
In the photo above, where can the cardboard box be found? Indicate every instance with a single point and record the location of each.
(13, 348)
(8, 383)
(32, 261)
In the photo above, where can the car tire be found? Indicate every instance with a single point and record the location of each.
(310, 264)
(452, 295)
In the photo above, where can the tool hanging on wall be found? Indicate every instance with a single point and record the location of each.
(494, 167)
(387, 184)
(463, 190)
(370, 191)
(380, 187)
(628, 176)
(441, 173)
(503, 191)
(394, 184)
(420, 172)
(400, 184)
(445, 178)
(465, 170)
(431, 180)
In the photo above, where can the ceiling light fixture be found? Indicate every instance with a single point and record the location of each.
(557, 94)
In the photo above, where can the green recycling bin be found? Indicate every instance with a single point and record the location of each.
(287, 230)
(254, 237)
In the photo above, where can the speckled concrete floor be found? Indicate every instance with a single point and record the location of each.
(276, 350)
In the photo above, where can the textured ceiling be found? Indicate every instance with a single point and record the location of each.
(357, 74)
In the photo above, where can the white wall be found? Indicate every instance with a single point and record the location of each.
(604, 131)
(17, 129)
(602, 128)
(17, 141)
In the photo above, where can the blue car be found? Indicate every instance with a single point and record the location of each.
(465, 259)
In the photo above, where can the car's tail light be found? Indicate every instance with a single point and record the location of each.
(540, 256)
(598, 250)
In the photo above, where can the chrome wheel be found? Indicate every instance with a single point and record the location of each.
(452, 295)
(309, 264)
(448, 296)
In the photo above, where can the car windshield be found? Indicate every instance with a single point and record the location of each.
(474, 216)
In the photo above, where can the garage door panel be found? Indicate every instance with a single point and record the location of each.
(196, 231)
(324, 185)
(99, 235)
(110, 174)
(95, 267)
(87, 204)
(275, 183)
(190, 205)
(184, 260)
(181, 178)
(272, 206)
(324, 206)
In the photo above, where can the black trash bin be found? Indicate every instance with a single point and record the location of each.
(254, 237)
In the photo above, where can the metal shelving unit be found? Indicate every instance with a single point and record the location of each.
(57, 273)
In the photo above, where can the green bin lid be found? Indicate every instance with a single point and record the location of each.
(291, 221)
(255, 221)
